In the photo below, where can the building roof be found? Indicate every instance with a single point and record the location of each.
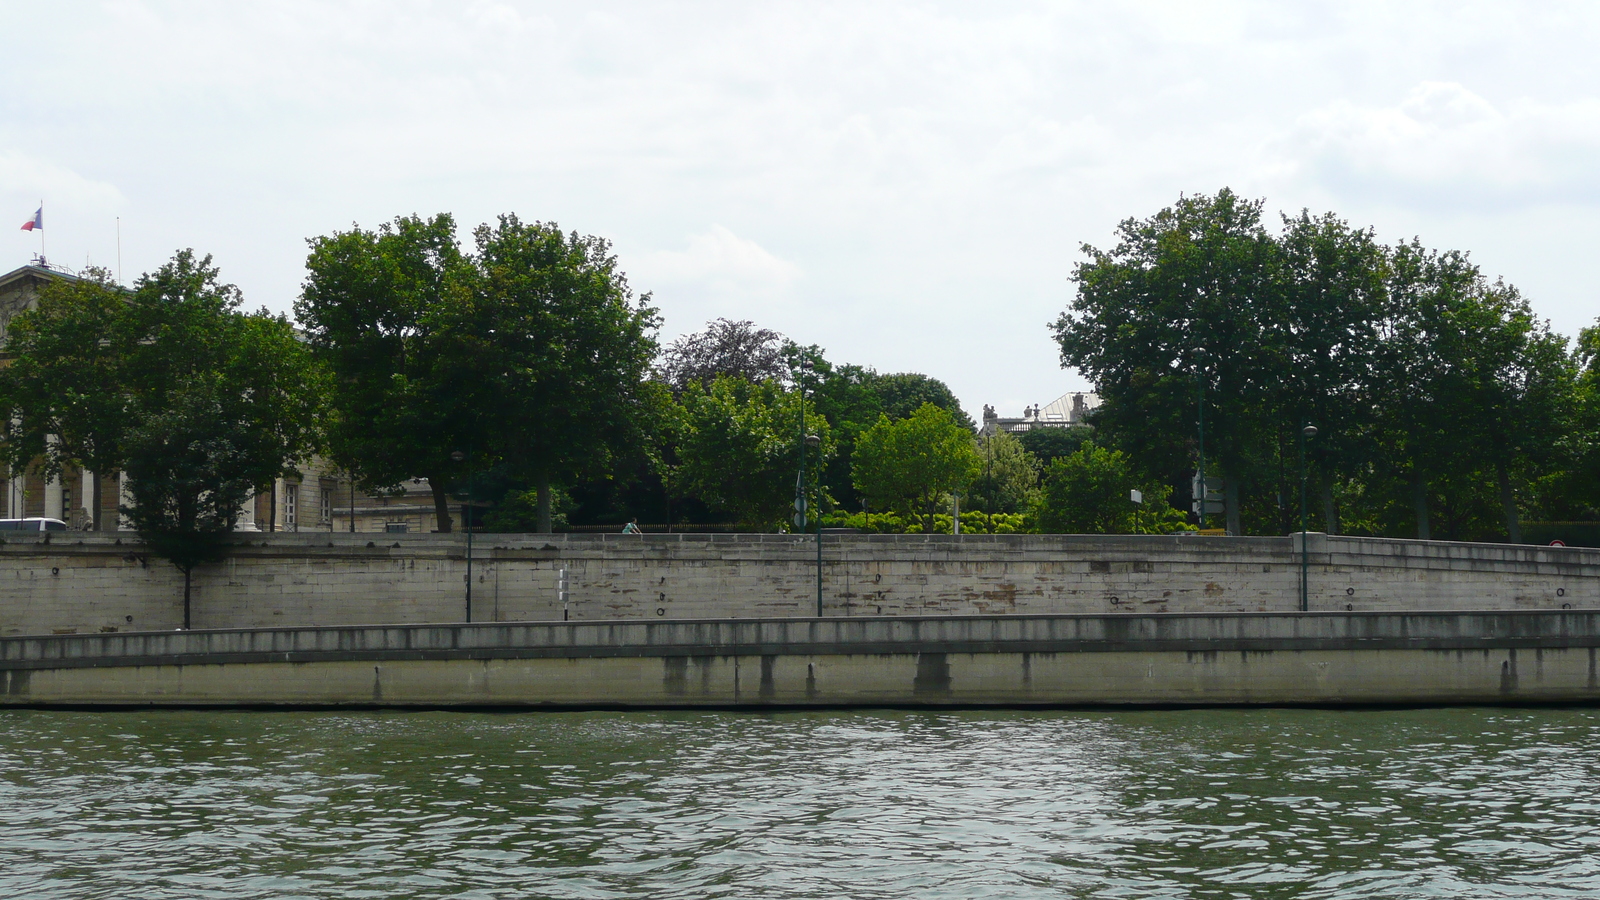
(34, 271)
(1068, 409)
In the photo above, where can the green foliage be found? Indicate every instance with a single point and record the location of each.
(518, 512)
(557, 343)
(1089, 493)
(376, 307)
(1048, 444)
(1009, 478)
(1427, 381)
(901, 394)
(527, 355)
(739, 447)
(64, 380)
(201, 405)
(914, 463)
(894, 523)
(189, 471)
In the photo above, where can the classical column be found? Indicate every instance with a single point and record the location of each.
(86, 495)
(54, 508)
(246, 519)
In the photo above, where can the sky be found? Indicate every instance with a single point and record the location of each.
(908, 185)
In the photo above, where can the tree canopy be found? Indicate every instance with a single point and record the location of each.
(724, 347)
(527, 354)
(201, 405)
(1439, 398)
(914, 463)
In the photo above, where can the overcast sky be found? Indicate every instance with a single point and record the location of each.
(907, 185)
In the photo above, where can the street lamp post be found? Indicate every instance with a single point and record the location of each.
(1309, 431)
(459, 456)
(801, 501)
(815, 441)
(1200, 403)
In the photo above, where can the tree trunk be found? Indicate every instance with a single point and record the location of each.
(441, 504)
(542, 495)
(1508, 503)
(187, 577)
(1230, 497)
(1419, 504)
(94, 502)
(1330, 510)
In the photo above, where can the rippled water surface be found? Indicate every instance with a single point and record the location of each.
(1239, 803)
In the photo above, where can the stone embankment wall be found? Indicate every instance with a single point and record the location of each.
(88, 583)
(1014, 660)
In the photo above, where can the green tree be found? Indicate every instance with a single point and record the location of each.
(1577, 490)
(1090, 492)
(901, 394)
(1470, 390)
(376, 307)
(1047, 444)
(1191, 297)
(914, 463)
(1335, 298)
(64, 382)
(1010, 475)
(739, 445)
(226, 403)
(557, 339)
(199, 404)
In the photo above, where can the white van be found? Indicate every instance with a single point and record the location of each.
(32, 524)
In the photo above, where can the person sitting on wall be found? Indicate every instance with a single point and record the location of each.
(632, 527)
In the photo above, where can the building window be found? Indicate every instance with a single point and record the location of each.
(327, 507)
(291, 494)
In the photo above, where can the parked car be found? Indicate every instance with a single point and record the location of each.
(33, 523)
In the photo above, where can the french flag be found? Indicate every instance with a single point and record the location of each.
(35, 223)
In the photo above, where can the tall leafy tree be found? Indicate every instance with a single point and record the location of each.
(915, 463)
(724, 347)
(1334, 301)
(63, 385)
(1189, 300)
(198, 403)
(901, 394)
(561, 345)
(377, 308)
(741, 445)
(225, 404)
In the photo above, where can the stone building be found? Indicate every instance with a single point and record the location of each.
(1067, 409)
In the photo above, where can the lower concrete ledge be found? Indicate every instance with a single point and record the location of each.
(1173, 660)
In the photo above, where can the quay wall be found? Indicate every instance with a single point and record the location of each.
(63, 583)
(1338, 658)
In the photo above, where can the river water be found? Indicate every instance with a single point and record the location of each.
(859, 804)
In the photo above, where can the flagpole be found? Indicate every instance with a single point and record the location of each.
(42, 258)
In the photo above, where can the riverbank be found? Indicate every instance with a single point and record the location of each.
(1349, 658)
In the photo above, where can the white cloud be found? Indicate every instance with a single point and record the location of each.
(1444, 144)
(23, 176)
(721, 265)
